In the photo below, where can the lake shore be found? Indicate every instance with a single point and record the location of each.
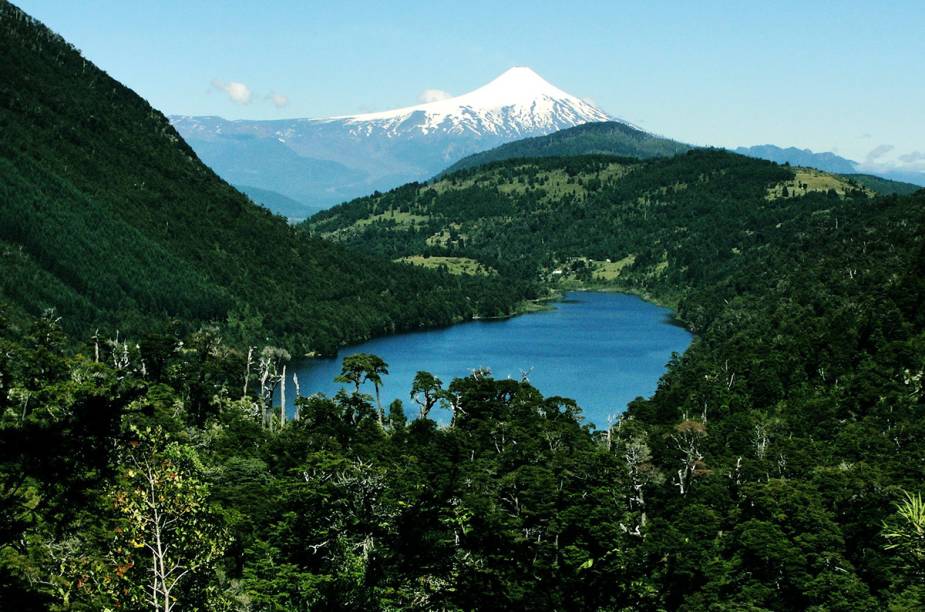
(602, 349)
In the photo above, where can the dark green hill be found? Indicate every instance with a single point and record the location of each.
(610, 138)
(883, 186)
(109, 217)
(648, 226)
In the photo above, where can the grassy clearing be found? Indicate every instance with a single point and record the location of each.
(399, 218)
(610, 270)
(453, 265)
(555, 184)
(661, 266)
(444, 237)
(592, 270)
(402, 219)
(807, 180)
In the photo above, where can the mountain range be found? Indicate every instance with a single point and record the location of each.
(320, 162)
(828, 162)
(296, 167)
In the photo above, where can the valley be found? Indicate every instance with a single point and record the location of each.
(208, 406)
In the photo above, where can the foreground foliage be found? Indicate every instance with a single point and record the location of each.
(762, 474)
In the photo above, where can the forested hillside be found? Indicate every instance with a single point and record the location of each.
(109, 217)
(608, 137)
(655, 227)
(882, 185)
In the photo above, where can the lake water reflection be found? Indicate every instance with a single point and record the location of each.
(601, 349)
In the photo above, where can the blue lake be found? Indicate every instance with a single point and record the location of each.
(601, 349)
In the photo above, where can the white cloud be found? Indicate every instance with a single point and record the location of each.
(237, 92)
(885, 158)
(279, 100)
(911, 158)
(434, 95)
(878, 152)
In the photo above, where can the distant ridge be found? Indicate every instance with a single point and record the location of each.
(610, 137)
(276, 202)
(829, 162)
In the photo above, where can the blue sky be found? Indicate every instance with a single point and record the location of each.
(839, 76)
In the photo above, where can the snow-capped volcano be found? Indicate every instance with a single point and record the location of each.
(324, 161)
(518, 102)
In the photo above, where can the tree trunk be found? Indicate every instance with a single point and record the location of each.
(282, 399)
(298, 394)
(247, 370)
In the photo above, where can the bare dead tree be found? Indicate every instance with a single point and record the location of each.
(247, 369)
(687, 438)
(730, 376)
(119, 353)
(735, 474)
(760, 439)
(611, 419)
(298, 394)
(282, 397)
(636, 454)
(272, 359)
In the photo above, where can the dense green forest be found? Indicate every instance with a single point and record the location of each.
(109, 218)
(656, 227)
(608, 137)
(762, 475)
(778, 466)
(882, 185)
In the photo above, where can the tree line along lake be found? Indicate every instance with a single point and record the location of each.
(601, 349)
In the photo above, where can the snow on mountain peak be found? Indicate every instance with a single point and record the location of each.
(335, 159)
(516, 85)
(517, 102)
